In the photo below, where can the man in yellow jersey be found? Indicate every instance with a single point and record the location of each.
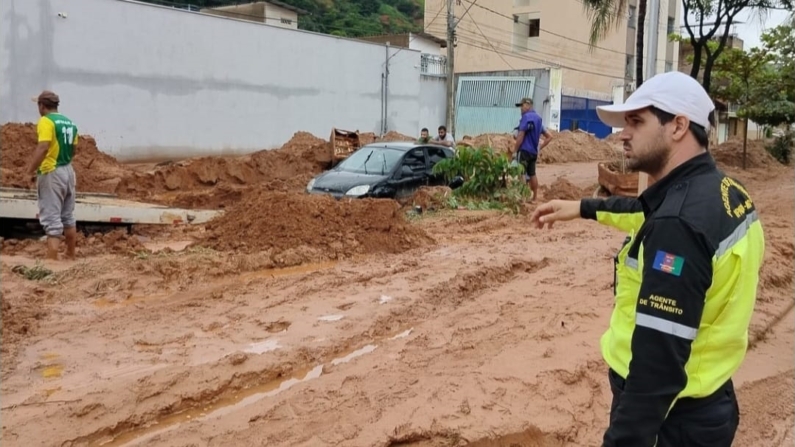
(55, 177)
(685, 278)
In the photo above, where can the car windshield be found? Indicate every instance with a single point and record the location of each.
(371, 160)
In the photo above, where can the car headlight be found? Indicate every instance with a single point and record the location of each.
(358, 190)
(310, 185)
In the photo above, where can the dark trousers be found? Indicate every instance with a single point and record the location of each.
(707, 422)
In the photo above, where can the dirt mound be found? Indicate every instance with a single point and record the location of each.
(395, 136)
(370, 137)
(288, 168)
(296, 228)
(96, 171)
(501, 143)
(430, 197)
(568, 146)
(613, 138)
(116, 241)
(730, 153)
(562, 189)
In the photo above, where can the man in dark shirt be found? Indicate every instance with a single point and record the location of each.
(527, 146)
(685, 277)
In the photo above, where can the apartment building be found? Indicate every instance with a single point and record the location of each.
(547, 43)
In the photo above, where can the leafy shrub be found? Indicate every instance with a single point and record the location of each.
(488, 176)
(781, 148)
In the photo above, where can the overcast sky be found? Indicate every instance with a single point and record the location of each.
(754, 25)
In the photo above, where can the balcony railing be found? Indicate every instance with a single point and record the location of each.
(432, 65)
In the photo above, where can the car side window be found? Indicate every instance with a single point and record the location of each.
(415, 160)
(435, 155)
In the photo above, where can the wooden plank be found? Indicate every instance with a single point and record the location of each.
(106, 210)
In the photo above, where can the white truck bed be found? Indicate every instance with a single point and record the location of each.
(102, 208)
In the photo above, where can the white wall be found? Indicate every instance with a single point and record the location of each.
(151, 82)
(433, 110)
(425, 45)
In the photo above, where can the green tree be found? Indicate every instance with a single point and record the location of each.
(711, 20)
(760, 81)
(606, 15)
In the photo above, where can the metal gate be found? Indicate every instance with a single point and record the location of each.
(488, 104)
(580, 113)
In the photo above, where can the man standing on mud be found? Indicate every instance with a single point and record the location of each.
(55, 177)
(685, 278)
(527, 146)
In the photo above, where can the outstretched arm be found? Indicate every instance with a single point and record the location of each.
(624, 213)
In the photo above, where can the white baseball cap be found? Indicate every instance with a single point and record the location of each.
(673, 92)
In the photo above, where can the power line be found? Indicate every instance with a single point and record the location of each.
(527, 58)
(549, 60)
(541, 39)
(484, 35)
(512, 19)
(424, 30)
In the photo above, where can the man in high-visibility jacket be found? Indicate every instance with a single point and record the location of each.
(685, 278)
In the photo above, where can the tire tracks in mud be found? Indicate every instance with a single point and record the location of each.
(453, 293)
(189, 385)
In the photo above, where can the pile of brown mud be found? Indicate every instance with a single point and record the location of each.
(295, 228)
(430, 197)
(562, 189)
(116, 242)
(568, 146)
(730, 153)
(370, 137)
(187, 183)
(565, 147)
(95, 170)
(501, 143)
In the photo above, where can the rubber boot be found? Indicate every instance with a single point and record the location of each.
(71, 241)
(53, 243)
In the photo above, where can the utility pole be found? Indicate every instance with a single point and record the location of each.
(653, 38)
(450, 67)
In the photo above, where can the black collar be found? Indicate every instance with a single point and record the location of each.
(654, 195)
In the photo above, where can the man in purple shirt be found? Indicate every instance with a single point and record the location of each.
(527, 142)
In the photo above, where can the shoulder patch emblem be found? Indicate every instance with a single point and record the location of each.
(668, 263)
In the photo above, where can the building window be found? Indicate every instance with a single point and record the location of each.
(633, 17)
(535, 28)
(669, 66)
(287, 21)
(670, 25)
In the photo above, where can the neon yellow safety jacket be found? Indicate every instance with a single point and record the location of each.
(685, 288)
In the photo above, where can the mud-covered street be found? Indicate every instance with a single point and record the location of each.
(299, 321)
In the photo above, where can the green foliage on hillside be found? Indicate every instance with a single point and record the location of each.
(347, 18)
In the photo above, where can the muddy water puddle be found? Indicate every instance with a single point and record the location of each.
(241, 399)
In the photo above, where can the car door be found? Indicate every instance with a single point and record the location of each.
(435, 155)
(412, 173)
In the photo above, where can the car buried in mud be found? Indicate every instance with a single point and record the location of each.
(392, 170)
